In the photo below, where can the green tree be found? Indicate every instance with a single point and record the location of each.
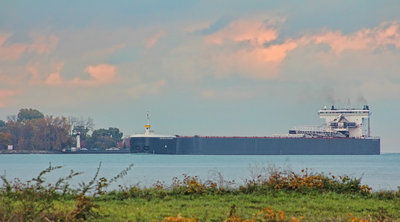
(29, 114)
(104, 138)
(115, 134)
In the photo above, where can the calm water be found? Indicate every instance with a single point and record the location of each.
(380, 172)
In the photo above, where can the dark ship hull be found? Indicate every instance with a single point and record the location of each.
(255, 145)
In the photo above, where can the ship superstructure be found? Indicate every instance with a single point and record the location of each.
(150, 133)
(349, 122)
(345, 132)
(342, 122)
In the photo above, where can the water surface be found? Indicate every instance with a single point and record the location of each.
(381, 172)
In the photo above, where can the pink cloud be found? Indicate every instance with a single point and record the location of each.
(248, 63)
(274, 53)
(43, 44)
(40, 45)
(40, 72)
(240, 47)
(388, 33)
(33, 69)
(54, 78)
(102, 74)
(151, 42)
(10, 52)
(339, 42)
(6, 96)
(365, 39)
(253, 32)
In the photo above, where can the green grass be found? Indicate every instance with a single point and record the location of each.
(304, 206)
(313, 207)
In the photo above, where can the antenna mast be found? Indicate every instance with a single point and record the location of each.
(147, 126)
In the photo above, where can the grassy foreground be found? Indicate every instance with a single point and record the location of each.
(283, 207)
(280, 196)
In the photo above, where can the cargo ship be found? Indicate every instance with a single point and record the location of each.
(346, 131)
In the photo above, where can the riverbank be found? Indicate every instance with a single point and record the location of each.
(272, 206)
(283, 206)
(279, 206)
(282, 196)
(29, 152)
(65, 151)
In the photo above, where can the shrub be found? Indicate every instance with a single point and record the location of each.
(34, 199)
(304, 182)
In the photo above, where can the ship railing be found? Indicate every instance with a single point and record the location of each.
(309, 128)
(372, 137)
(316, 131)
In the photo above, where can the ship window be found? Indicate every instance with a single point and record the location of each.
(137, 147)
(146, 147)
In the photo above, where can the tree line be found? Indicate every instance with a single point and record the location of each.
(30, 129)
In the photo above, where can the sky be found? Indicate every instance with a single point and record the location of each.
(244, 68)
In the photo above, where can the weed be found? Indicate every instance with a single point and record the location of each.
(179, 218)
(85, 207)
(32, 200)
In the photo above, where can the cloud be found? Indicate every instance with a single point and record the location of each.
(274, 53)
(259, 62)
(206, 28)
(54, 78)
(43, 44)
(387, 33)
(255, 33)
(152, 41)
(33, 69)
(246, 48)
(40, 45)
(6, 97)
(102, 74)
(10, 52)
(40, 72)
(101, 53)
(252, 48)
(248, 63)
(199, 27)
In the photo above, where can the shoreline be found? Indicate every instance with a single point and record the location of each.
(60, 152)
